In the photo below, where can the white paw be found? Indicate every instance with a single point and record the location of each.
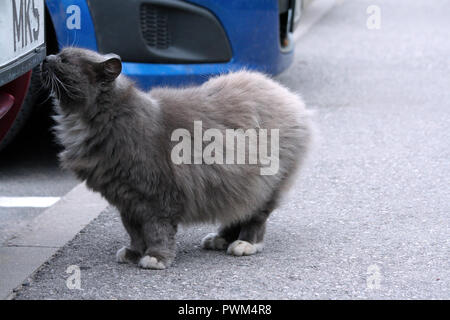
(244, 248)
(120, 255)
(214, 242)
(148, 262)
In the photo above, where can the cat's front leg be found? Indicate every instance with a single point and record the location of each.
(159, 237)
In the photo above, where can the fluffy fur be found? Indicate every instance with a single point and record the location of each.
(118, 139)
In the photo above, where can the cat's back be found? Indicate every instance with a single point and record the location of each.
(245, 99)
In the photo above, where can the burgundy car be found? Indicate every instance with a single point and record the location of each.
(22, 47)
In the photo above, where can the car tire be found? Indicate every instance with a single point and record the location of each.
(25, 110)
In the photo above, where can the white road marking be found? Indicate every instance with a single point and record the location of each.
(34, 202)
(311, 14)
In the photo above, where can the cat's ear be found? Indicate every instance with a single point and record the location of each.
(111, 67)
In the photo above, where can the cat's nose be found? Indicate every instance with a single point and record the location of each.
(50, 58)
(46, 63)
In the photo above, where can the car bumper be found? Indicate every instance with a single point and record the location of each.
(255, 46)
(22, 65)
(252, 31)
(149, 75)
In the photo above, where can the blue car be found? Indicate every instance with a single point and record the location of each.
(175, 42)
(161, 42)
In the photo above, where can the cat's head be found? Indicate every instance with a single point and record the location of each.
(78, 75)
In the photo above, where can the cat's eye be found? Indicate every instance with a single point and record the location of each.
(63, 59)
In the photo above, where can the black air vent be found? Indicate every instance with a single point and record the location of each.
(159, 31)
(154, 26)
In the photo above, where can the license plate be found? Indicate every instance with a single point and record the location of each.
(21, 28)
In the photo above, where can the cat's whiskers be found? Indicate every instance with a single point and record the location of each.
(65, 88)
(55, 88)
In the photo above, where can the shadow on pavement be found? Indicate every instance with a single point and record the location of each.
(35, 145)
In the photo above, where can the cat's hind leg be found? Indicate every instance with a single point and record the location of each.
(251, 235)
(250, 240)
(243, 238)
(220, 240)
(133, 253)
(127, 255)
(159, 236)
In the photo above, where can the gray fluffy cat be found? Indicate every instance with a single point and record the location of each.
(120, 140)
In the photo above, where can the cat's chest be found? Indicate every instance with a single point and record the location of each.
(75, 136)
(71, 132)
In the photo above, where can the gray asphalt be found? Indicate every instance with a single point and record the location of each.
(374, 194)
